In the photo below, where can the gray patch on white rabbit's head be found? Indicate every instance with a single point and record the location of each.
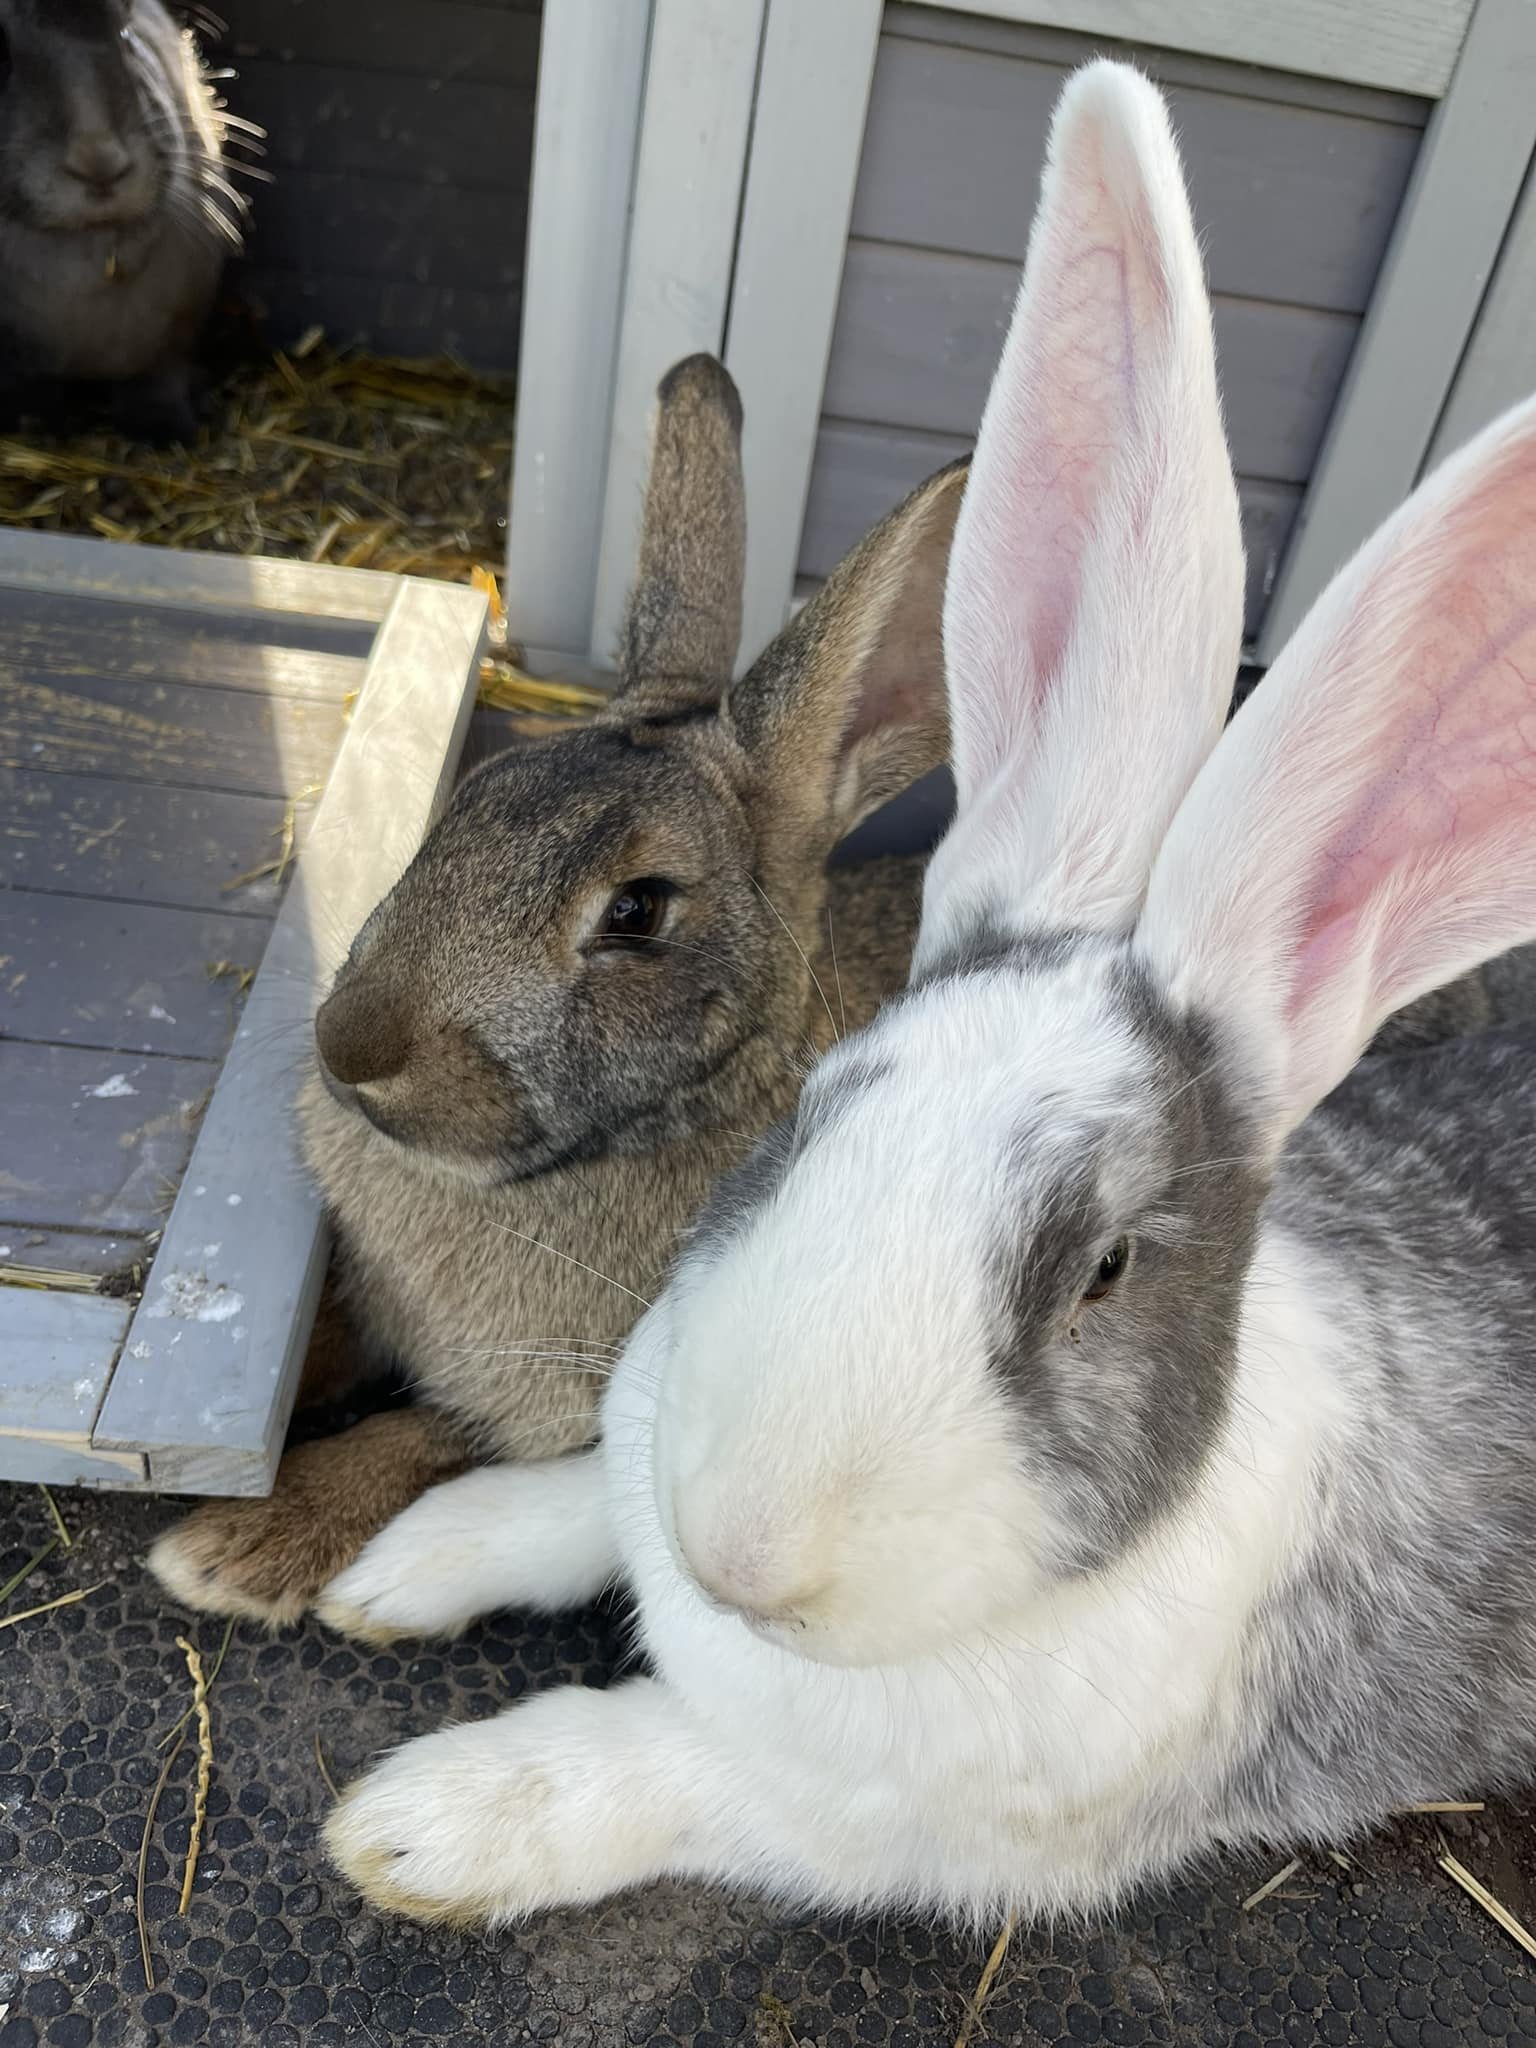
(1118, 1401)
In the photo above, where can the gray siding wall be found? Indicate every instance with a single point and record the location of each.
(1296, 185)
(400, 138)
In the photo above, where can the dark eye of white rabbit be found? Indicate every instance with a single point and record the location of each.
(1111, 1269)
(636, 913)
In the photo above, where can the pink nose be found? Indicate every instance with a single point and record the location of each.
(736, 1566)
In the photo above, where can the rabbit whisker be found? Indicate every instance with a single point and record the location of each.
(810, 970)
(571, 1260)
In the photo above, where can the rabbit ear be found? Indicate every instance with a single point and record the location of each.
(1366, 828)
(683, 624)
(1094, 611)
(846, 709)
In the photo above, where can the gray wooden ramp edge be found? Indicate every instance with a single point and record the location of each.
(210, 1365)
(57, 1352)
(149, 576)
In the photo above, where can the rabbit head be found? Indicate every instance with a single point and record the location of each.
(966, 1328)
(88, 118)
(602, 945)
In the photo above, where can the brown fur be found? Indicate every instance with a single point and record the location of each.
(514, 1126)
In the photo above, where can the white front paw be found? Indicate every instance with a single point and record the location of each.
(488, 1823)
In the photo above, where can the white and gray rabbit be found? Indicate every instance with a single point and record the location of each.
(116, 216)
(1085, 1436)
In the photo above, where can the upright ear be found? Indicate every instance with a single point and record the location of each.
(683, 624)
(1093, 617)
(1366, 828)
(846, 707)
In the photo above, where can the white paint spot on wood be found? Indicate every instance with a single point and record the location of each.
(114, 1086)
(190, 1297)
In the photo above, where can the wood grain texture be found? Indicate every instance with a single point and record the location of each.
(60, 564)
(165, 733)
(127, 977)
(1294, 203)
(59, 1351)
(105, 1256)
(82, 1152)
(140, 842)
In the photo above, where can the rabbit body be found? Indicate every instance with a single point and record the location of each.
(600, 979)
(1096, 1430)
(115, 217)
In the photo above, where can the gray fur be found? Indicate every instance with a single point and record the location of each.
(115, 216)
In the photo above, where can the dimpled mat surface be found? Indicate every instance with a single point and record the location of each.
(274, 1949)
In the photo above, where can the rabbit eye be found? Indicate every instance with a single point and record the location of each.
(1111, 1267)
(636, 912)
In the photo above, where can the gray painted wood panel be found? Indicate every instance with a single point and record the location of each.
(129, 977)
(139, 842)
(862, 471)
(59, 1351)
(401, 137)
(1294, 203)
(1499, 366)
(452, 40)
(106, 1257)
(287, 596)
(1044, 44)
(96, 637)
(919, 332)
(81, 1150)
(338, 117)
(166, 732)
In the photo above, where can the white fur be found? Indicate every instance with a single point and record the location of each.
(1035, 1765)
(502, 1536)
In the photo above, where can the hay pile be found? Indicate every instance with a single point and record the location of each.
(313, 455)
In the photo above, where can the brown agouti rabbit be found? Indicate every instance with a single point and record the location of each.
(598, 983)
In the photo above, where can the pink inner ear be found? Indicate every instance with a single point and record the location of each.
(1445, 640)
(1064, 413)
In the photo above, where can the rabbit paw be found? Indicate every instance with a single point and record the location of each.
(502, 1536)
(266, 1560)
(550, 1804)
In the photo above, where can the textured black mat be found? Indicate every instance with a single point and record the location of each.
(275, 1950)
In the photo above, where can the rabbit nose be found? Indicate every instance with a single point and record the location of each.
(100, 161)
(743, 1569)
(362, 1033)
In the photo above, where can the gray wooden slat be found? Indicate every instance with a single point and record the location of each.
(1403, 45)
(190, 581)
(73, 1251)
(83, 1153)
(131, 977)
(1293, 203)
(1465, 187)
(137, 842)
(1499, 365)
(59, 1350)
(591, 84)
(495, 44)
(207, 1377)
(918, 335)
(167, 732)
(396, 317)
(394, 229)
(862, 471)
(101, 637)
(1170, 67)
(467, 133)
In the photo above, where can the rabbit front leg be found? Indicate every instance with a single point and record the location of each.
(503, 1536)
(561, 1801)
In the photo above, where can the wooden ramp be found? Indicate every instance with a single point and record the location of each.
(210, 771)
